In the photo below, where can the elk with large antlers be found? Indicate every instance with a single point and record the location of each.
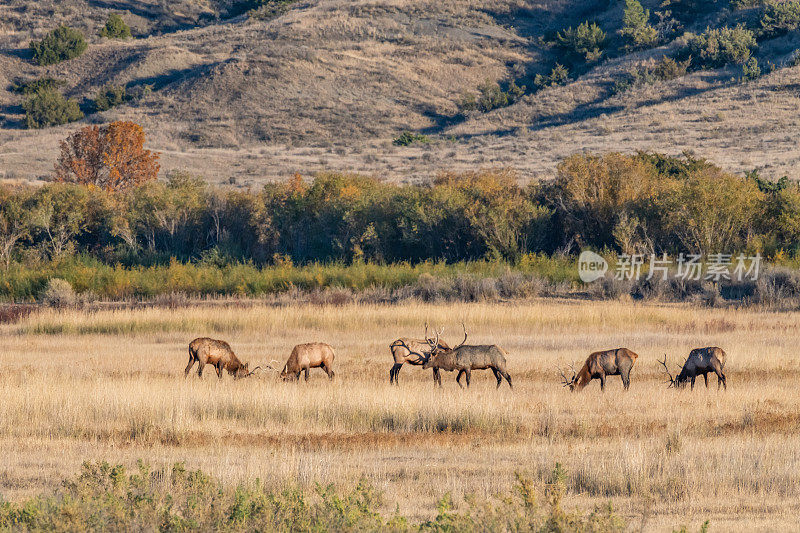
(700, 361)
(465, 359)
(617, 362)
(414, 352)
(304, 357)
(217, 353)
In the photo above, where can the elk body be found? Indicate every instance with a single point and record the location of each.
(598, 365)
(414, 352)
(700, 361)
(304, 357)
(465, 359)
(218, 354)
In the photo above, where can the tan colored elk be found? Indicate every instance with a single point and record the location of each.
(598, 365)
(304, 357)
(414, 352)
(700, 361)
(465, 359)
(217, 353)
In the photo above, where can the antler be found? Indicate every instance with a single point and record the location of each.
(269, 365)
(666, 369)
(465, 336)
(565, 381)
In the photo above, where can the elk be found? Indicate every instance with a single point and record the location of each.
(304, 357)
(598, 365)
(218, 354)
(465, 359)
(414, 352)
(700, 361)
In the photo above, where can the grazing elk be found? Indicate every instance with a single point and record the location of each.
(598, 365)
(304, 357)
(414, 352)
(465, 359)
(700, 361)
(217, 353)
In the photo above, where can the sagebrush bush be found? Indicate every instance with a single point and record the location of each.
(717, 47)
(59, 293)
(61, 44)
(558, 76)
(408, 138)
(779, 18)
(651, 72)
(491, 96)
(48, 107)
(110, 96)
(35, 85)
(587, 41)
(751, 70)
(115, 28)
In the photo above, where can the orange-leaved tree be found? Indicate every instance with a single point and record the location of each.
(111, 157)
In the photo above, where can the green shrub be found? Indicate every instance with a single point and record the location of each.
(652, 72)
(751, 70)
(587, 41)
(110, 498)
(48, 107)
(35, 85)
(558, 76)
(719, 47)
(115, 28)
(636, 28)
(407, 138)
(110, 96)
(491, 96)
(61, 44)
(779, 18)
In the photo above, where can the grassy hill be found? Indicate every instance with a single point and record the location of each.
(328, 84)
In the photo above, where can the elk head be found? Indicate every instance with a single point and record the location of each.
(243, 372)
(673, 381)
(569, 382)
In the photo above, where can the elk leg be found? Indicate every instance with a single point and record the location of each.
(200, 366)
(626, 380)
(498, 377)
(393, 373)
(602, 382)
(693, 377)
(189, 366)
(328, 370)
(705, 377)
(721, 380)
(219, 371)
(468, 373)
(508, 378)
(307, 373)
(437, 377)
(458, 378)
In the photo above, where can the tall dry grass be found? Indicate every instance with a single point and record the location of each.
(109, 385)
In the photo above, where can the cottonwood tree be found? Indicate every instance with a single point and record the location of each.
(111, 157)
(14, 223)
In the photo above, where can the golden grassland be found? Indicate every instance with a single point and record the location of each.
(109, 385)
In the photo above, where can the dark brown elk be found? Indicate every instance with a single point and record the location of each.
(700, 361)
(205, 351)
(617, 362)
(465, 359)
(414, 352)
(304, 357)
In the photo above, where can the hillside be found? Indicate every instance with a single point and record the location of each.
(327, 85)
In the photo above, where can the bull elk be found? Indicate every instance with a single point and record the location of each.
(465, 359)
(304, 357)
(414, 352)
(617, 362)
(217, 353)
(700, 361)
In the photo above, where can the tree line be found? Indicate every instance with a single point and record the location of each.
(642, 203)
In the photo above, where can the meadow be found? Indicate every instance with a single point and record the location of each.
(108, 385)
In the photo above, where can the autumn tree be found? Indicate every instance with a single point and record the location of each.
(111, 157)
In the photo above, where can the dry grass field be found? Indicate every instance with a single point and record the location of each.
(109, 386)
